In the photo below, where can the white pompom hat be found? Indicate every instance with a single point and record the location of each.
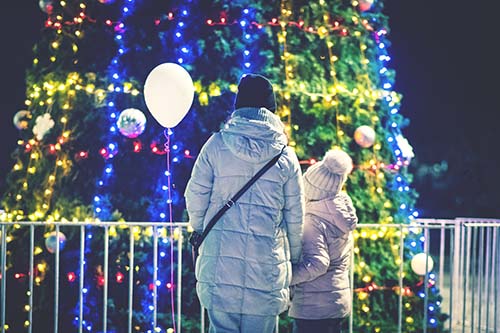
(324, 179)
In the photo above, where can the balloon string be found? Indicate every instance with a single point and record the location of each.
(169, 201)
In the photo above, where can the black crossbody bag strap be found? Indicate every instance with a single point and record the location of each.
(200, 237)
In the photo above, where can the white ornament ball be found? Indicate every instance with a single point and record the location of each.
(46, 5)
(131, 123)
(364, 136)
(21, 119)
(418, 263)
(51, 241)
(365, 5)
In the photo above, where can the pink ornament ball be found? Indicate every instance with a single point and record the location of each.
(365, 5)
(46, 5)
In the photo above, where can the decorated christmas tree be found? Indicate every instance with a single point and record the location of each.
(89, 150)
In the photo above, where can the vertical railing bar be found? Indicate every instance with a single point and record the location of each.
(179, 280)
(475, 235)
(30, 281)
(3, 263)
(481, 279)
(442, 245)
(82, 278)
(351, 283)
(426, 276)
(487, 276)
(400, 297)
(105, 286)
(480, 252)
(465, 275)
(277, 325)
(202, 310)
(495, 275)
(130, 278)
(56, 283)
(461, 268)
(452, 270)
(155, 277)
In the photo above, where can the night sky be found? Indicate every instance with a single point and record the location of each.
(447, 71)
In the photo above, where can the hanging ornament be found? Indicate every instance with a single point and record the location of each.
(405, 147)
(365, 5)
(43, 125)
(418, 263)
(46, 5)
(21, 119)
(364, 136)
(131, 123)
(52, 239)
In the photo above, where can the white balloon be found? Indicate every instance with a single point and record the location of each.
(418, 263)
(169, 93)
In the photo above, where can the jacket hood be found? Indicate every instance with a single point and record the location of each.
(254, 134)
(338, 212)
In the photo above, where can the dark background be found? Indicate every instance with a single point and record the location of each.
(447, 71)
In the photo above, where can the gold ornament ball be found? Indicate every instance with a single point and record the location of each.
(364, 136)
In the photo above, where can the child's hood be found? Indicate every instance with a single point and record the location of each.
(338, 211)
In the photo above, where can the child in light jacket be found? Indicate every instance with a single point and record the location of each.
(322, 296)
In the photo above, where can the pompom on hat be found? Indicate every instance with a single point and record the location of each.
(324, 179)
(255, 91)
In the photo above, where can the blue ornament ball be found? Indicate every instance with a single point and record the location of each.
(51, 241)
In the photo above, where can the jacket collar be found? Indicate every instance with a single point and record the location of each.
(259, 114)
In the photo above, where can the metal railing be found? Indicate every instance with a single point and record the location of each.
(468, 270)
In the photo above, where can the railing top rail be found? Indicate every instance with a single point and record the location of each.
(99, 223)
(175, 224)
(478, 224)
(477, 220)
(458, 220)
(416, 223)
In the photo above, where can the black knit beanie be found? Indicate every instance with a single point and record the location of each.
(255, 91)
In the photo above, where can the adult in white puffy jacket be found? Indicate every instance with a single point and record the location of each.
(322, 296)
(244, 269)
